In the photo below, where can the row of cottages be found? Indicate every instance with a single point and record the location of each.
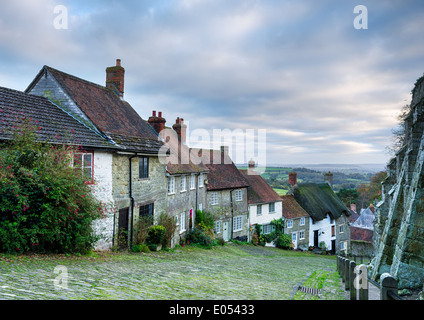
(315, 216)
(129, 175)
(265, 205)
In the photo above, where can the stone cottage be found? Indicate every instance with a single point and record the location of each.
(130, 177)
(328, 216)
(264, 203)
(361, 234)
(186, 189)
(226, 195)
(296, 222)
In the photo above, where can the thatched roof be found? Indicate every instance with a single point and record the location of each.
(319, 200)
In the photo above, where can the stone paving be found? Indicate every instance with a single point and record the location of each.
(229, 272)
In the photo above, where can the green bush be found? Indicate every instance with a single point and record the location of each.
(284, 241)
(140, 248)
(46, 205)
(156, 234)
(199, 236)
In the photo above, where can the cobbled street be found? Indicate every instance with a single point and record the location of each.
(229, 272)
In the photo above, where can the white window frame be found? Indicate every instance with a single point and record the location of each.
(239, 195)
(192, 182)
(83, 165)
(237, 223)
(214, 198)
(183, 184)
(182, 222)
(200, 181)
(302, 221)
(267, 228)
(289, 223)
(259, 210)
(341, 228)
(217, 228)
(342, 245)
(301, 234)
(273, 207)
(171, 185)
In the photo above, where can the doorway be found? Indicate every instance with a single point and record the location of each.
(226, 230)
(123, 220)
(315, 238)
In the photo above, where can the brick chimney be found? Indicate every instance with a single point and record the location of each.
(115, 78)
(157, 122)
(353, 207)
(328, 177)
(180, 128)
(293, 178)
(251, 167)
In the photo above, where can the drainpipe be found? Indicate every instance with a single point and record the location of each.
(232, 212)
(197, 205)
(131, 197)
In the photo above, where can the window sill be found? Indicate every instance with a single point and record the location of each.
(171, 194)
(237, 230)
(182, 191)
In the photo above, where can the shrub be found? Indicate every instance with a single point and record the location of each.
(46, 205)
(170, 226)
(199, 236)
(140, 248)
(144, 224)
(156, 234)
(284, 241)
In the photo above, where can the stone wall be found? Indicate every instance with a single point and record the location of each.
(224, 211)
(399, 223)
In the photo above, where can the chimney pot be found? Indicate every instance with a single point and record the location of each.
(293, 178)
(160, 114)
(118, 62)
(154, 114)
(157, 123)
(180, 129)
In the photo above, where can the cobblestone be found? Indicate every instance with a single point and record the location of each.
(229, 272)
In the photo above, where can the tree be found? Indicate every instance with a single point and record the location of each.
(348, 196)
(368, 193)
(46, 204)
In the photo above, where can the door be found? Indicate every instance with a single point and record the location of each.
(294, 239)
(123, 228)
(333, 246)
(315, 238)
(226, 230)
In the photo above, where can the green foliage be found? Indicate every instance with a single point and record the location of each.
(205, 219)
(46, 205)
(170, 226)
(199, 236)
(348, 196)
(280, 239)
(156, 234)
(284, 241)
(140, 248)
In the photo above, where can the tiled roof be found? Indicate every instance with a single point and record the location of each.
(259, 191)
(53, 124)
(223, 174)
(361, 234)
(319, 200)
(291, 208)
(109, 113)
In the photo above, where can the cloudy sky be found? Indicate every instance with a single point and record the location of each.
(324, 91)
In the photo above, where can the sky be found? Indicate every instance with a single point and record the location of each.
(290, 81)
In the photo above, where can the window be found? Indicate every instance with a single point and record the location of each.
(302, 222)
(217, 228)
(143, 167)
(237, 223)
(259, 210)
(289, 223)
(342, 245)
(183, 184)
(301, 235)
(200, 182)
(239, 195)
(271, 207)
(341, 229)
(182, 222)
(171, 185)
(200, 206)
(214, 198)
(147, 211)
(192, 181)
(85, 162)
(267, 228)
(333, 231)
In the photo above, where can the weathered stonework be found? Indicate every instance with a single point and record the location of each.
(399, 223)
(144, 191)
(226, 210)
